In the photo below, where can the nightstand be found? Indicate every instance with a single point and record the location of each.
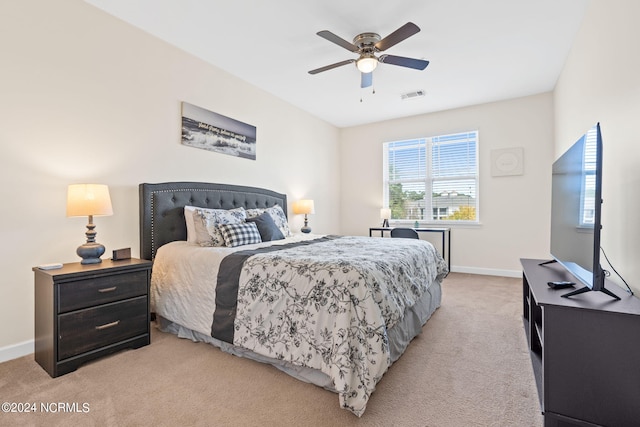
(83, 312)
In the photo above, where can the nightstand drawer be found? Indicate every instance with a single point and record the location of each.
(88, 329)
(100, 290)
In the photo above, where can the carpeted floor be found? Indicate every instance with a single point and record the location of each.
(469, 367)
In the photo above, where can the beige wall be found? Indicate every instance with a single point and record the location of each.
(601, 83)
(514, 210)
(85, 97)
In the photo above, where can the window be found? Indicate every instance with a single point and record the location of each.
(432, 179)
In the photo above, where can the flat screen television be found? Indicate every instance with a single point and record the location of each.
(576, 211)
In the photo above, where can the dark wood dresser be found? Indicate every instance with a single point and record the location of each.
(83, 312)
(585, 350)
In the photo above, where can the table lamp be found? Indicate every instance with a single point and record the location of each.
(385, 216)
(89, 200)
(305, 207)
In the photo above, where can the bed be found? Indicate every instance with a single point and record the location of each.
(335, 311)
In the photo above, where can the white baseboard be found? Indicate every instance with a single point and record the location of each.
(486, 271)
(16, 350)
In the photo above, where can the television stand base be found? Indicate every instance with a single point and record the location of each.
(548, 262)
(588, 346)
(587, 289)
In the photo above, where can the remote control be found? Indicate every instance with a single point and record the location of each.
(560, 285)
(52, 266)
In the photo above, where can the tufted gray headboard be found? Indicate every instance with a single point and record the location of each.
(162, 207)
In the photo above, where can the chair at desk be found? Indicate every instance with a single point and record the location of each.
(407, 233)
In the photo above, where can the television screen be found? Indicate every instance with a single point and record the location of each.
(575, 209)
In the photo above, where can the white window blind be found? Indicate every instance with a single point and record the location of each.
(432, 179)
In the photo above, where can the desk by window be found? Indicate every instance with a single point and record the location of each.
(446, 247)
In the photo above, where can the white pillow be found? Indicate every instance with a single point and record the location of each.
(189, 212)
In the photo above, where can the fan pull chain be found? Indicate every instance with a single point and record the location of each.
(373, 92)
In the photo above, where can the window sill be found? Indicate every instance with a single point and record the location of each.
(439, 224)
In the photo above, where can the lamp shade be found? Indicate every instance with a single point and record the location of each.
(304, 206)
(88, 199)
(367, 63)
(385, 213)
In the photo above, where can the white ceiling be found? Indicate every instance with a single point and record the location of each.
(479, 50)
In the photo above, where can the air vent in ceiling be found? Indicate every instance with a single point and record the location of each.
(412, 95)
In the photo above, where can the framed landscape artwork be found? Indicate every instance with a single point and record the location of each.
(214, 132)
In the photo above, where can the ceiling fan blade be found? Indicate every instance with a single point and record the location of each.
(416, 64)
(404, 32)
(332, 66)
(366, 79)
(328, 35)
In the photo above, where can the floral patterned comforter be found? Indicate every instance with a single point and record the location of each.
(328, 306)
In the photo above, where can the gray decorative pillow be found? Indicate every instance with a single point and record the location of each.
(277, 214)
(206, 223)
(244, 233)
(267, 227)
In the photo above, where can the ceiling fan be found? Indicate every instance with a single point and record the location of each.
(366, 45)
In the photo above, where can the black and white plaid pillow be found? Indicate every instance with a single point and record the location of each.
(244, 233)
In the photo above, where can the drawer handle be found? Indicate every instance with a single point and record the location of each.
(103, 290)
(107, 325)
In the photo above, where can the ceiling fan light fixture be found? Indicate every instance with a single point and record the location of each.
(366, 45)
(367, 63)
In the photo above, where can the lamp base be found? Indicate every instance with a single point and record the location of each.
(306, 228)
(90, 253)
